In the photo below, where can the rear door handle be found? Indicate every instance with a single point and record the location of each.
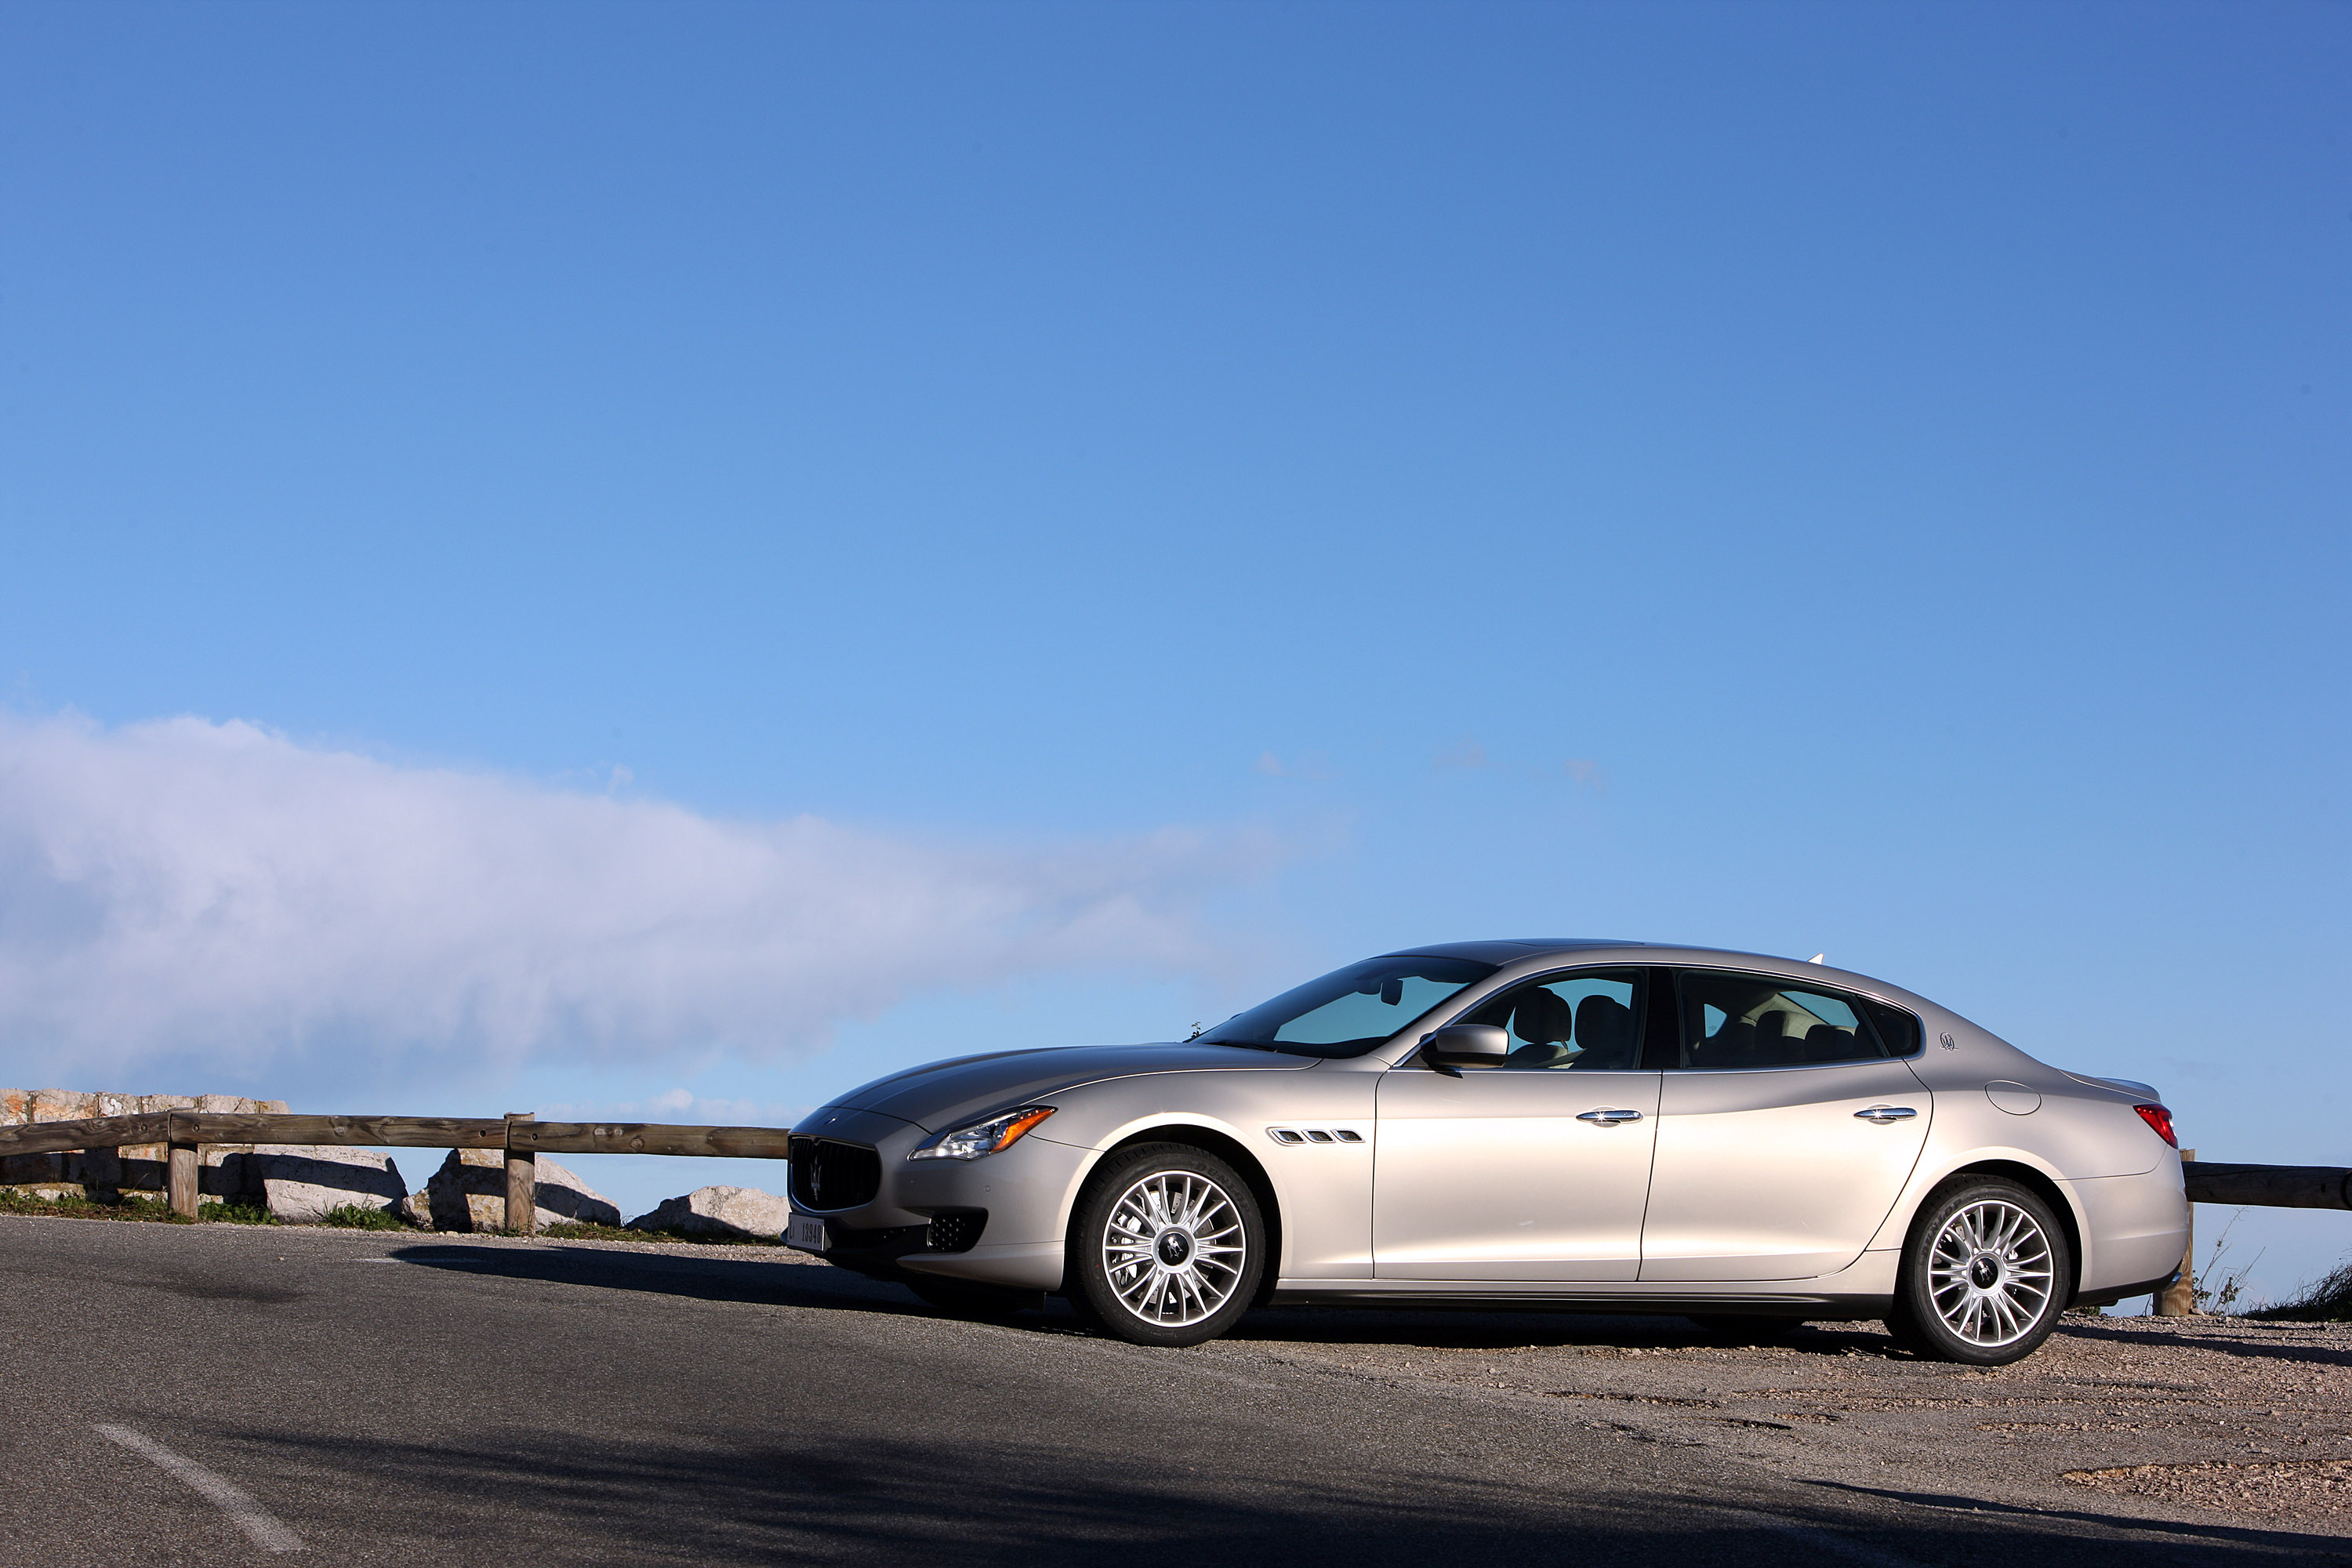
(1610, 1117)
(1883, 1114)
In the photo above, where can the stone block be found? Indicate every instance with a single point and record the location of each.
(60, 1105)
(302, 1182)
(720, 1213)
(468, 1192)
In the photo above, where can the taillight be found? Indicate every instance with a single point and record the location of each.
(2156, 1116)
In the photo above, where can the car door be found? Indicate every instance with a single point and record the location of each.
(1785, 1133)
(1535, 1170)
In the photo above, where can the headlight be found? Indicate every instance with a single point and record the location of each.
(987, 1137)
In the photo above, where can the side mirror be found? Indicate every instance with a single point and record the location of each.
(1467, 1045)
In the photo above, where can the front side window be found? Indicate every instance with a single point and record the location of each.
(1592, 1018)
(1350, 1010)
(1755, 1021)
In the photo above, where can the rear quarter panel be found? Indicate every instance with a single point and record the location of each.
(2120, 1181)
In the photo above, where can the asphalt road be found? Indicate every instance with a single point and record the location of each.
(203, 1395)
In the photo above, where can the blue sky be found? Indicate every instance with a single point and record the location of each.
(1312, 480)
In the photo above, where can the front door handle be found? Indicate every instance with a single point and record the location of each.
(1883, 1114)
(1609, 1118)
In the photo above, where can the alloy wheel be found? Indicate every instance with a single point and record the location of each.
(1174, 1249)
(1989, 1273)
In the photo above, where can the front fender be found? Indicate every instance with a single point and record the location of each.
(1321, 1193)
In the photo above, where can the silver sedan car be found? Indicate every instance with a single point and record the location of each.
(1595, 1126)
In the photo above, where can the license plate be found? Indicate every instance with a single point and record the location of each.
(804, 1231)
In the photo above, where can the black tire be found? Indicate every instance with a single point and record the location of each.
(1746, 1328)
(964, 1299)
(1987, 1272)
(1180, 1282)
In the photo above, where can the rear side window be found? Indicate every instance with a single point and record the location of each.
(1731, 1020)
(1898, 1031)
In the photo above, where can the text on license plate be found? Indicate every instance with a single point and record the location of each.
(804, 1231)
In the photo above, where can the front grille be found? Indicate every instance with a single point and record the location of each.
(829, 1175)
(956, 1230)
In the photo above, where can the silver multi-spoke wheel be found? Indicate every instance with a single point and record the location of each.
(1990, 1273)
(1174, 1249)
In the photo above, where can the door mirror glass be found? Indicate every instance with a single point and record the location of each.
(1467, 1045)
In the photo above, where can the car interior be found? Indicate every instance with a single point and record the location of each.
(1738, 1021)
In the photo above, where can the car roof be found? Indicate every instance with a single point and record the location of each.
(1521, 954)
(1518, 950)
(1509, 950)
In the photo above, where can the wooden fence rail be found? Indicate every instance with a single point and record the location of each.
(2268, 1186)
(523, 1136)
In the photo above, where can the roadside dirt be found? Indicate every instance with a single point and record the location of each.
(2189, 1418)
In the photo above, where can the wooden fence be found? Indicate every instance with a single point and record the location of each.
(524, 1138)
(520, 1135)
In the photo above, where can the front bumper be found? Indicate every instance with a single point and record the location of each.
(996, 1220)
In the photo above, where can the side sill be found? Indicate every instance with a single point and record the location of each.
(1821, 1307)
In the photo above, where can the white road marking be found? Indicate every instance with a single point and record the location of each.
(224, 1494)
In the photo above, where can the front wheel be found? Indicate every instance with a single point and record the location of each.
(1985, 1275)
(1167, 1247)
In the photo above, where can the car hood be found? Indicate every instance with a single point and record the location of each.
(947, 1094)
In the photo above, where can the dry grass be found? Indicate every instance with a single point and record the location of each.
(127, 1207)
(2329, 1300)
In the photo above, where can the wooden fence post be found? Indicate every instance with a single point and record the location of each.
(523, 1180)
(2178, 1299)
(180, 1178)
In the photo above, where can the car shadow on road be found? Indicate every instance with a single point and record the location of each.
(835, 1495)
(701, 1277)
(822, 1287)
(826, 1289)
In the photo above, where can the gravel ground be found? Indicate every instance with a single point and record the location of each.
(2191, 1417)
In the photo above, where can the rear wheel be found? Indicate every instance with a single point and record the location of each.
(1167, 1247)
(1985, 1275)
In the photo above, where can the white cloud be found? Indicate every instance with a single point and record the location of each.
(186, 888)
(682, 1107)
(1306, 765)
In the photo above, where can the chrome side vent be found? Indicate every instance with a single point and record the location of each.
(1315, 1135)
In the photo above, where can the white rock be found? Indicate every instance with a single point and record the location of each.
(721, 1212)
(302, 1182)
(468, 1192)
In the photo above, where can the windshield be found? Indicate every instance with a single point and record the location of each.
(1350, 1010)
